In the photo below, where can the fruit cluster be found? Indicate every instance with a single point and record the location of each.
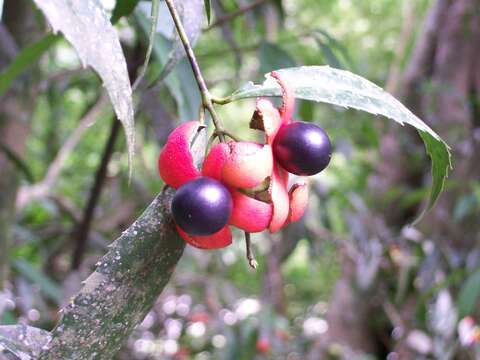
(244, 184)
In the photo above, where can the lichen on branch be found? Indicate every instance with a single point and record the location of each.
(119, 293)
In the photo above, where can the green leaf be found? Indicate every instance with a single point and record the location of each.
(37, 277)
(273, 57)
(123, 288)
(439, 153)
(25, 342)
(469, 295)
(180, 82)
(208, 10)
(86, 26)
(151, 40)
(189, 91)
(339, 51)
(343, 88)
(191, 16)
(25, 58)
(123, 8)
(328, 54)
(161, 46)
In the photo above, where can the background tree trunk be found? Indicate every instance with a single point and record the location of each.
(441, 85)
(18, 28)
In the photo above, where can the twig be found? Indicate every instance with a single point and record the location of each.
(227, 133)
(84, 227)
(62, 155)
(236, 13)
(17, 161)
(67, 207)
(220, 51)
(206, 97)
(223, 50)
(43, 188)
(393, 315)
(60, 76)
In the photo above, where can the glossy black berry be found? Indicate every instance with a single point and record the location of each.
(202, 206)
(302, 148)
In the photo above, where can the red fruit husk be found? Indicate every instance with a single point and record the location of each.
(176, 164)
(239, 164)
(247, 164)
(249, 214)
(288, 98)
(287, 206)
(215, 160)
(266, 118)
(280, 199)
(219, 240)
(298, 195)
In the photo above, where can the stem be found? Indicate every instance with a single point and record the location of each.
(16, 160)
(202, 86)
(220, 100)
(229, 134)
(210, 143)
(201, 115)
(250, 257)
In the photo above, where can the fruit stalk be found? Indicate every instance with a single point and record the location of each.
(202, 86)
(250, 257)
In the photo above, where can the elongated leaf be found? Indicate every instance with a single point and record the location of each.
(335, 46)
(119, 293)
(191, 15)
(469, 297)
(189, 91)
(342, 88)
(86, 26)
(25, 58)
(208, 10)
(151, 41)
(273, 57)
(23, 341)
(123, 8)
(329, 56)
(181, 82)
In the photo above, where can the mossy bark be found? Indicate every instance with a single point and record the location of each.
(118, 294)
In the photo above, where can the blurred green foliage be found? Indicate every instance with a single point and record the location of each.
(357, 35)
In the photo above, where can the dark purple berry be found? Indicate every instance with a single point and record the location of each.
(202, 206)
(302, 148)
